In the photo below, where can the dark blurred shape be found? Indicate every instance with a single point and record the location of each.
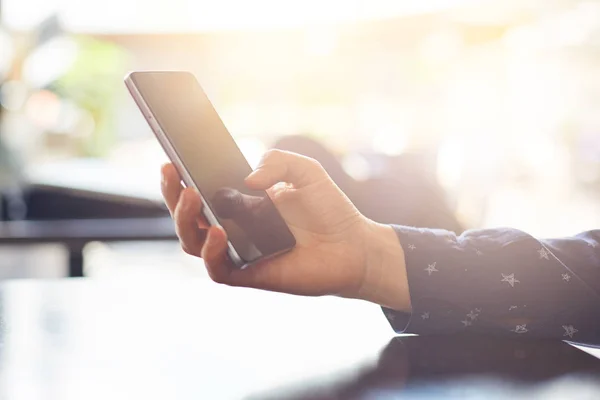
(403, 194)
(456, 367)
(74, 218)
(13, 185)
(254, 215)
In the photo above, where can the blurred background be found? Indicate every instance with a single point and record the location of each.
(451, 114)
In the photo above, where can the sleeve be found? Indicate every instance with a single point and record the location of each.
(503, 282)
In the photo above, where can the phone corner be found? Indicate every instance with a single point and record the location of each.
(129, 77)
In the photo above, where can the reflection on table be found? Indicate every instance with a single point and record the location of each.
(197, 340)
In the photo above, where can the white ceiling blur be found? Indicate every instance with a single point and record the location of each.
(135, 16)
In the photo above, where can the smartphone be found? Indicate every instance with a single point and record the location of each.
(207, 158)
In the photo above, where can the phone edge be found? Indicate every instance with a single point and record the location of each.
(174, 157)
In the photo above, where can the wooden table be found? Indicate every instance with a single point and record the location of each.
(192, 339)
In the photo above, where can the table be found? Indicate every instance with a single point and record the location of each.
(193, 339)
(76, 202)
(77, 233)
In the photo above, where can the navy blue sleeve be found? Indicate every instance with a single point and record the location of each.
(501, 281)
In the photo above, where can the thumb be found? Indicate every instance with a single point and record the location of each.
(229, 203)
(283, 166)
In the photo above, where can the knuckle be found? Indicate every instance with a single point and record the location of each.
(312, 167)
(185, 210)
(218, 277)
(276, 155)
(271, 155)
(313, 163)
(187, 250)
(191, 242)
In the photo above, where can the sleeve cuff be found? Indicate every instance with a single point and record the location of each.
(419, 246)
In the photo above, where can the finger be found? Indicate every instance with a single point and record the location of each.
(283, 166)
(279, 274)
(261, 275)
(214, 254)
(226, 201)
(186, 216)
(230, 203)
(170, 186)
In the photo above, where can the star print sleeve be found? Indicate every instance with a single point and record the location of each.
(501, 281)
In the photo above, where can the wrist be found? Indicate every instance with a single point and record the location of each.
(385, 280)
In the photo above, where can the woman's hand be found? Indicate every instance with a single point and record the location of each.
(338, 250)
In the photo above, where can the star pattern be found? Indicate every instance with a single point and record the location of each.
(520, 329)
(510, 279)
(473, 315)
(431, 268)
(543, 253)
(569, 330)
(510, 274)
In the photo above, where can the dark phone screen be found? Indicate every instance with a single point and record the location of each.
(215, 163)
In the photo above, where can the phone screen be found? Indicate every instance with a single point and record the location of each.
(215, 163)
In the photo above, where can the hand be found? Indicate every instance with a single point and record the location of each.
(338, 250)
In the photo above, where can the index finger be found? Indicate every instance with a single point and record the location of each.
(282, 166)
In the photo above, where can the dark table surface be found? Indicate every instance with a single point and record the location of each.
(192, 339)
